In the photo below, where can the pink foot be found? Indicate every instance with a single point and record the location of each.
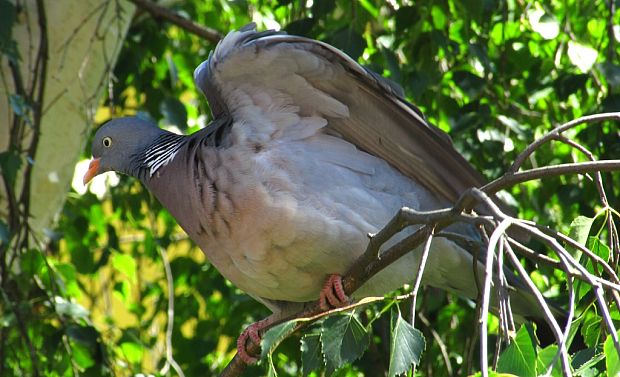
(332, 295)
(251, 332)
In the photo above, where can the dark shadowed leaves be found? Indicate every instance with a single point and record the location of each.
(344, 340)
(311, 355)
(406, 345)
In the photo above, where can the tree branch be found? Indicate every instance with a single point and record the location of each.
(178, 20)
(557, 131)
(511, 179)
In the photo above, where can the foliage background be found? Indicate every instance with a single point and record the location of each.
(494, 74)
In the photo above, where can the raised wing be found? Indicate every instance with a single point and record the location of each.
(261, 78)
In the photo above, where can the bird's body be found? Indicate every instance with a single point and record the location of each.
(276, 219)
(308, 153)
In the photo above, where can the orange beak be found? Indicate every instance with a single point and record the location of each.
(93, 170)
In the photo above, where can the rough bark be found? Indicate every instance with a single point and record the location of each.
(84, 39)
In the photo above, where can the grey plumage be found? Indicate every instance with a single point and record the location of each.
(308, 153)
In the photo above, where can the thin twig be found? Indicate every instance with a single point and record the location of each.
(555, 328)
(509, 180)
(556, 131)
(420, 273)
(592, 280)
(170, 361)
(486, 294)
(442, 345)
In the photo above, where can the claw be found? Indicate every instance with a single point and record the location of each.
(332, 295)
(242, 348)
(251, 332)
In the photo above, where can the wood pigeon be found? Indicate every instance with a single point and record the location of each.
(307, 154)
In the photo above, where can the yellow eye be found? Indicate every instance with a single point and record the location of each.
(107, 142)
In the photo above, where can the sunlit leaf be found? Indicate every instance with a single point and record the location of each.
(275, 336)
(520, 356)
(132, 351)
(591, 330)
(612, 359)
(125, 264)
(581, 55)
(545, 358)
(544, 24)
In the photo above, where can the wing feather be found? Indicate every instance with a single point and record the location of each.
(269, 75)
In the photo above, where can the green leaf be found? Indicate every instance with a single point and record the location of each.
(612, 360)
(406, 346)
(275, 336)
(125, 264)
(311, 353)
(470, 83)
(344, 340)
(132, 351)
(439, 17)
(545, 358)
(591, 330)
(545, 25)
(10, 162)
(82, 259)
(81, 356)
(600, 249)
(582, 56)
(7, 19)
(580, 229)
(520, 356)
(31, 262)
(584, 361)
(69, 279)
(271, 371)
(302, 26)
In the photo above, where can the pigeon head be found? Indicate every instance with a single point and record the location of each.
(119, 144)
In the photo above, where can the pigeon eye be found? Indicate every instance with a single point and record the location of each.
(107, 142)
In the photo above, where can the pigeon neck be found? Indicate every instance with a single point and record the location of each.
(157, 154)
